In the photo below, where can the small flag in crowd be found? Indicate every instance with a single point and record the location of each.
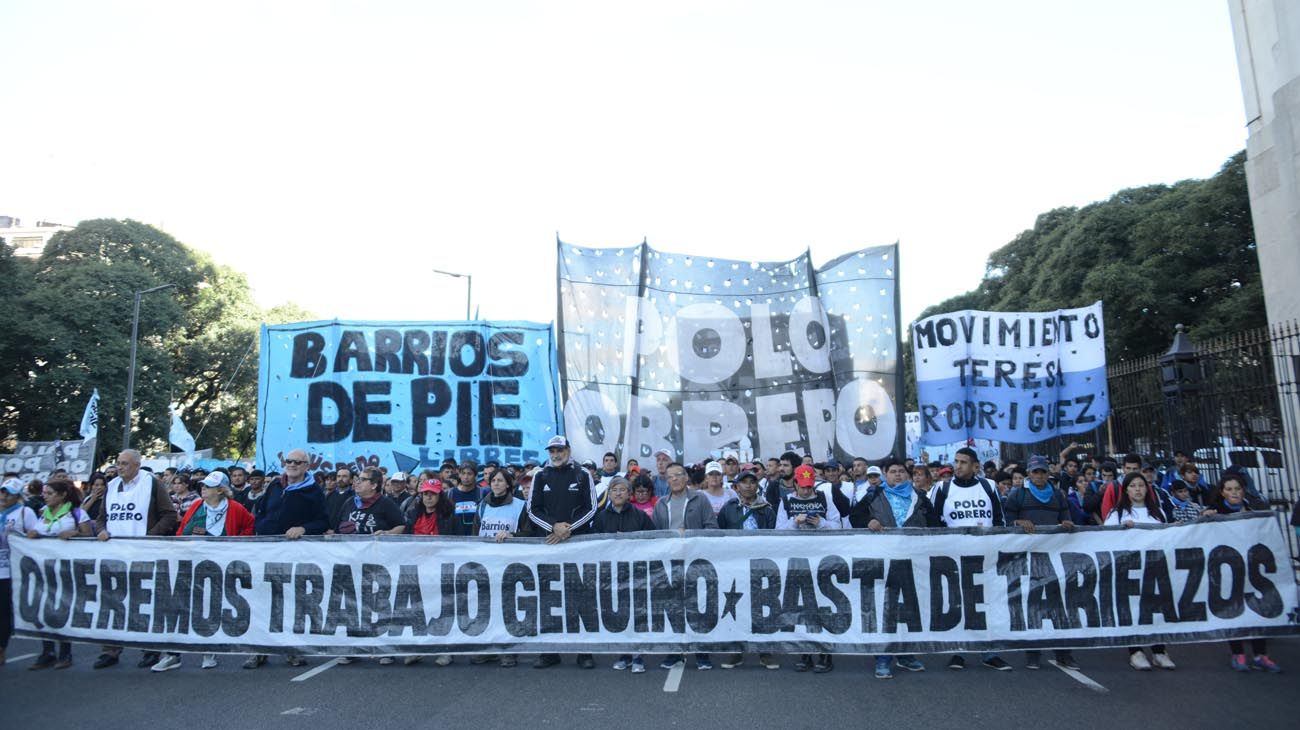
(90, 419)
(180, 437)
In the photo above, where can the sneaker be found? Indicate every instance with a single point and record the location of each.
(1031, 663)
(671, 662)
(254, 661)
(768, 661)
(883, 670)
(541, 662)
(385, 660)
(1138, 660)
(148, 659)
(1265, 663)
(638, 665)
(732, 661)
(804, 664)
(482, 658)
(1067, 662)
(586, 661)
(508, 660)
(344, 660)
(1239, 663)
(957, 662)
(209, 661)
(621, 664)
(411, 659)
(63, 664)
(443, 660)
(704, 665)
(824, 664)
(44, 661)
(295, 660)
(167, 663)
(996, 662)
(104, 661)
(1162, 660)
(909, 663)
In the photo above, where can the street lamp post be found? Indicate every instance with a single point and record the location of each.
(469, 286)
(130, 374)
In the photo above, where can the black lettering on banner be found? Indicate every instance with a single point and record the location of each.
(1080, 581)
(641, 596)
(388, 344)
(342, 608)
(422, 408)
(31, 591)
(799, 603)
(112, 595)
(580, 607)
(363, 408)
(1012, 566)
(171, 608)
(440, 625)
(456, 353)
(1233, 604)
(1044, 602)
(308, 592)
(82, 569)
(867, 572)
(308, 359)
(615, 596)
(408, 604)
(474, 574)
(549, 598)
(945, 593)
(518, 360)
(58, 593)
(838, 617)
(139, 596)
(1266, 601)
(1191, 560)
(489, 411)
(519, 611)
(1126, 586)
(1106, 588)
(701, 620)
(205, 616)
(277, 574)
(352, 347)
(464, 414)
(1157, 590)
(414, 345)
(236, 619)
(666, 593)
(764, 596)
(972, 593)
(901, 604)
(376, 591)
(319, 432)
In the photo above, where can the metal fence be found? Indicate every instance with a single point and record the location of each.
(1228, 401)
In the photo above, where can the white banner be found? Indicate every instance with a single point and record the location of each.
(849, 592)
(37, 459)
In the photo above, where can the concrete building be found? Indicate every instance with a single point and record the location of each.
(28, 241)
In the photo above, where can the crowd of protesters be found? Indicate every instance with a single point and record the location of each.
(500, 502)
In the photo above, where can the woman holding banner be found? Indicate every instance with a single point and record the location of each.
(1229, 497)
(62, 518)
(1139, 505)
(432, 517)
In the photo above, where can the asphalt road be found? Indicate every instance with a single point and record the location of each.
(1202, 693)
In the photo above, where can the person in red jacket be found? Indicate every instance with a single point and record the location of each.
(215, 514)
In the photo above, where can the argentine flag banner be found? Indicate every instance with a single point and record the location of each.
(1018, 377)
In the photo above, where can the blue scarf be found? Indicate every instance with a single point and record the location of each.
(307, 481)
(1180, 504)
(1230, 508)
(902, 491)
(1043, 495)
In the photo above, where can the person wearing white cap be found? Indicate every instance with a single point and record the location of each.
(714, 490)
(730, 466)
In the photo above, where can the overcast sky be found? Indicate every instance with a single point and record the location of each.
(338, 152)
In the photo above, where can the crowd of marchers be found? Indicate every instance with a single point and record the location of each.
(502, 501)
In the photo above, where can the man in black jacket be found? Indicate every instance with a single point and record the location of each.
(561, 503)
(618, 515)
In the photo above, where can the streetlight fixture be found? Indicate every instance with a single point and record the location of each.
(469, 286)
(130, 375)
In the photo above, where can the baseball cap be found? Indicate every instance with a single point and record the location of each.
(12, 486)
(1037, 463)
(804, 475)
(216, 479)
(747, 476)
(588, 464)
(832, 464)
(713, 467)
(400, 476)
(634, 470)
(945, 471)
(730, 454)
(875, 470)
(431, 485)
(665, 452)
(557, 442)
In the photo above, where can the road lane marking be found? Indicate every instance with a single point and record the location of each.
(21, 657)
(674, 679)
(1081, 678)
(317, 670)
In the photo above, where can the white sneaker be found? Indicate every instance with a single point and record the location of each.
(442, 660)
(1163, 661)
(168, 661)
(1138, 660)
(344, 660)
(209, 661)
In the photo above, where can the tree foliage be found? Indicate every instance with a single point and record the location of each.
(1156, 256)
(67, 330)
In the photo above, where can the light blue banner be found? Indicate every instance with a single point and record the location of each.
(406, 395)
(1017, 377)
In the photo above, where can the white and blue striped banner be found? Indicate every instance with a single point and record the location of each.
(1018, 377)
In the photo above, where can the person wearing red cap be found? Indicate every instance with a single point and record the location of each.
(808, 508)
(434, 515)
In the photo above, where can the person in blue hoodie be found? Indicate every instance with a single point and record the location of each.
(293, 506)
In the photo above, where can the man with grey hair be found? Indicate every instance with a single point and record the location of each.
(136, 504)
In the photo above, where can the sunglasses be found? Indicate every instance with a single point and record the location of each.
(294, 462)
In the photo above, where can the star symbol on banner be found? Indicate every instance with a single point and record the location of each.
(733, 600)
